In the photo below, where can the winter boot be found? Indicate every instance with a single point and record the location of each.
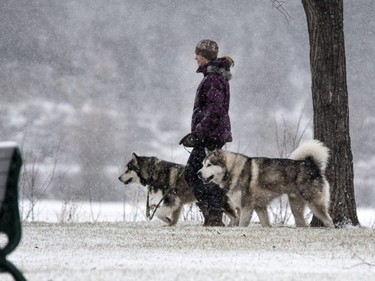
(212, 217)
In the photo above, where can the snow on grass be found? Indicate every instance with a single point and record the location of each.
(113, 241)
(150, 251)
(76, 211)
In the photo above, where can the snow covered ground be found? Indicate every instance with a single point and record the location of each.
(110, 249)
(149, 251)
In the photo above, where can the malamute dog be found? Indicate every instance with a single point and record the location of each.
(163, 179)
(166, 180)
(252, 183)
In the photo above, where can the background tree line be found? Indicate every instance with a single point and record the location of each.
(98, 80)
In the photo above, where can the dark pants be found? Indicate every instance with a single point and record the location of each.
(208, 195)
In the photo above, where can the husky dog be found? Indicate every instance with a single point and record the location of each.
(252, 183)
(164, 180)
(166, 183)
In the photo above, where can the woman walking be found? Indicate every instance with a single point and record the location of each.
(210, 126)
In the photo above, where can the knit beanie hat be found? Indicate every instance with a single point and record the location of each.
(208, 49)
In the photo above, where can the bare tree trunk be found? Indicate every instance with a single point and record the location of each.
(330, 103)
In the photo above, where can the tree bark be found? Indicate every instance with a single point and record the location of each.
(330, 103)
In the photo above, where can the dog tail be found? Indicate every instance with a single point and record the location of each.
(313, 149)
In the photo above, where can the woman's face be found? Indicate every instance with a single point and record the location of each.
(200, 60)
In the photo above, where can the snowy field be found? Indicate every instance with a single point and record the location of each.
(110, 249)
(149, 251)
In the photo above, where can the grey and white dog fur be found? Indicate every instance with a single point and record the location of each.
(252, 183)
(161, 177)
(167, 179)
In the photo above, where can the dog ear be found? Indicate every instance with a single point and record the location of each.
(207, 151)
(217, 152)
(135, 156)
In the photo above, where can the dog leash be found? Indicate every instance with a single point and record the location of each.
(148, 216)
(186, 149)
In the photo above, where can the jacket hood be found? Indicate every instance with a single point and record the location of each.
(221, 66)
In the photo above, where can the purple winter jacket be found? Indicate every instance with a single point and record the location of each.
(210, 121)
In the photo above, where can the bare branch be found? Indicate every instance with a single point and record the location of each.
(363, 261)
(279, 5)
